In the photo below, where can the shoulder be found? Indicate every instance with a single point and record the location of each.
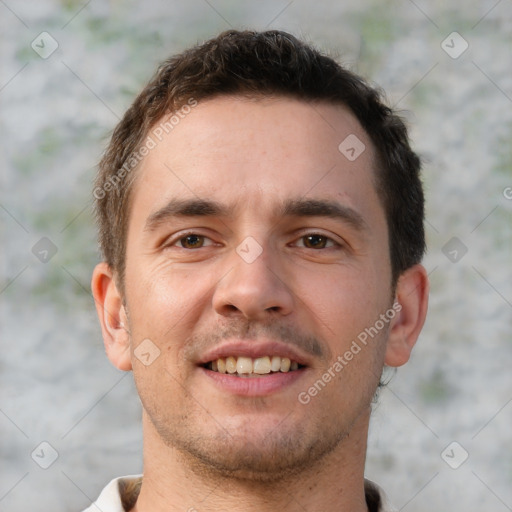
(376, 498)
(118, 496)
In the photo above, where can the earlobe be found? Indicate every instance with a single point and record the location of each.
(112, 316)
(412, 296)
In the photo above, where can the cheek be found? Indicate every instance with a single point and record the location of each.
(163, 308)
(346, 313)
(166, 302)
(345, 301)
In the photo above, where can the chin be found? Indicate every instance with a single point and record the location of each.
(255, 457)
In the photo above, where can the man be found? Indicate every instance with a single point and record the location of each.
(261, 219)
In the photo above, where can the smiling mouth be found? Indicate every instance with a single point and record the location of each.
(252, 367)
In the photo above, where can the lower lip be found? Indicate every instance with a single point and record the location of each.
(254, 386)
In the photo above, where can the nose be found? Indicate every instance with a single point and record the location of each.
(255, 291)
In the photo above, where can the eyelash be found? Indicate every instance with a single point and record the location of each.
(183, 236)
(330, 242)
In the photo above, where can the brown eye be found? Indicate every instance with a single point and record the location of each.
(192, 241)
(315, 241)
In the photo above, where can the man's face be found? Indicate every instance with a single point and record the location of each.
(251, 236)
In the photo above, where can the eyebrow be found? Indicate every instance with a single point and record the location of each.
(185, 208)
(291, 208)
(324, 208)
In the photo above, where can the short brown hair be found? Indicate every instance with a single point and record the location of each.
(255, 64)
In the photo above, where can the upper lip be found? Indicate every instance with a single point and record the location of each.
(255, 349)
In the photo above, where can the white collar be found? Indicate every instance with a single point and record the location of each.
(110, 498)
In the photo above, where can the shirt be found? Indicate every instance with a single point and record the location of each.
(121, 494)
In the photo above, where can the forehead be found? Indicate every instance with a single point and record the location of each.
(257, 151)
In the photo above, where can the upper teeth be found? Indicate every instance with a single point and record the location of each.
(246, 365)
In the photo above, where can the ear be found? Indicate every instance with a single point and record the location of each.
(412, 297)
(112, 316)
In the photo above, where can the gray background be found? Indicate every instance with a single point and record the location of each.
(56, 385)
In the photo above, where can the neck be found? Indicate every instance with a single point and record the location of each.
(173, 482)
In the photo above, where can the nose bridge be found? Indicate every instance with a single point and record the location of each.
(253, 286)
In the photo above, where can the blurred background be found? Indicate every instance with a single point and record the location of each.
(440, 437)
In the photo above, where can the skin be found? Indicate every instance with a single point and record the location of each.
(206, 447)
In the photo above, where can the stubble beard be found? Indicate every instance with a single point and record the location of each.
(267, 458)
(252, 454)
